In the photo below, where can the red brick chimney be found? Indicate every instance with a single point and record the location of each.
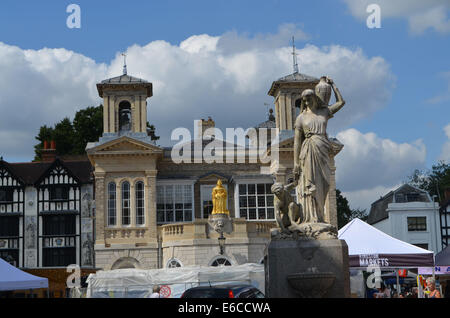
(48, 154)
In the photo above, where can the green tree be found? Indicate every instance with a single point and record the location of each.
(344, 213)
(434, 181)
(72, 138)
(151, 131)
(65, 137)
(45, 134)
(88, 126)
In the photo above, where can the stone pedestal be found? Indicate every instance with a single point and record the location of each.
(307, 268)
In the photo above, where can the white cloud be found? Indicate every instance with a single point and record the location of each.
(200, 43)
(204, 76)
(368, 161)
(445, 153)
(421, 15)
(362, 199)
(41, 87)
(369, 166)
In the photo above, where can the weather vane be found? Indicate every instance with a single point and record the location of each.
(294, 56)
(124, 63)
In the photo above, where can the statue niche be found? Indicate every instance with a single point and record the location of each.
(124, 116)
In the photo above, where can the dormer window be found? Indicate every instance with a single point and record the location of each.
(124, 116)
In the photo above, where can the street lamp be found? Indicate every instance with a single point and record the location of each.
(222, 243)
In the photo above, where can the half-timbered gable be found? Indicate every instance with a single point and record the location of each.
(58, 190)
(11, 214)
(58, 203)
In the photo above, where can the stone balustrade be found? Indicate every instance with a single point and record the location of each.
(199, 229)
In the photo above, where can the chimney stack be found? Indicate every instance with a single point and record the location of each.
(48, 154)
(203, 125)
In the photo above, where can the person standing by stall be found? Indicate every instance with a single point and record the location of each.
(156, 292)
(431, 287)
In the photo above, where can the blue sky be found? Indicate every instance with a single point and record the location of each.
(417, 61)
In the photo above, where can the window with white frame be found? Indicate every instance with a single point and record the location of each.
(256, 201)
(126, 219)
(174, 203)
(111, 204)
(140, 208)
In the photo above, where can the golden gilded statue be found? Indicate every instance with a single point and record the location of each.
(219, 198)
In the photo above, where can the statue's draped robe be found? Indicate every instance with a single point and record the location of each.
(219, 198)
(315, 162)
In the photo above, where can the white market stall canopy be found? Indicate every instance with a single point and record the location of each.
(370, 246)
(12, 278)
(442, 261)
(138, 283)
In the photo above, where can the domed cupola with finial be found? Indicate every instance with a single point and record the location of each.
(287, 91)
(125, 106)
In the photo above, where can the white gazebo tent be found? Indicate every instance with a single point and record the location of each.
(12, 278)
(368, 246)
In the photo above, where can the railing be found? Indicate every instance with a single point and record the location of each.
(175, 229)
(199, 229)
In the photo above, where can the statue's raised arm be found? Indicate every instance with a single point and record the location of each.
(340, 102)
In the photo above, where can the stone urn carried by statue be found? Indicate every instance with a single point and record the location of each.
(305, 258)
(323, 90)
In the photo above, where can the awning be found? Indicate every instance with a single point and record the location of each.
(368, 246)
(12, 278)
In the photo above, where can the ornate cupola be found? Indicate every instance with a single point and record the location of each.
(287, 91)
(125, 107)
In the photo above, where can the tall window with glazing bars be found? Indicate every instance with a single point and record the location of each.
(140, 208)
(112, 204)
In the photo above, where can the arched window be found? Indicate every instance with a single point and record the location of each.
(126, 203)
(173, 263)
(140, 208)
(111, 204)
(221, 261)
(124, 116)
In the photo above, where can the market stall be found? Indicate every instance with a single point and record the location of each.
(12, 278)
(370, 247)
(138, 283)
(441, 271)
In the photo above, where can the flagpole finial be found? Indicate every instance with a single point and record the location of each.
(124, 64)
(294, 56)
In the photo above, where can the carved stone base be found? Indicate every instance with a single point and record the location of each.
(306, 268)
(221, 223)
(319, 231)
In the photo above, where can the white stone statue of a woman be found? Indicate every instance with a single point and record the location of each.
(313, 150)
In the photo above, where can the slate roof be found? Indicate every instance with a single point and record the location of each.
(30, 172)
(124, 80)
(204, 143)
(292, 78)
(378, 209)
(297, 77)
